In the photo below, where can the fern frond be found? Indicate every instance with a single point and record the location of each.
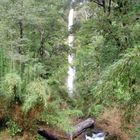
(37, 93)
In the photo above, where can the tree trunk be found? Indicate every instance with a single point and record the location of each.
(80, 128)
(76, 131)
(20, 34)
(47, 135)
(21, 29)
(109, 7)
(41, 51)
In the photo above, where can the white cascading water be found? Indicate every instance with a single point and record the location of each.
(97, 136)
(71, 68)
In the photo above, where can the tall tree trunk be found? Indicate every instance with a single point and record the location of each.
(41, 50)
(102, 3)
(20, 34)
(21, 28)
(109, 7)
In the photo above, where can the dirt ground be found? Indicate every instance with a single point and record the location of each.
(110, 121)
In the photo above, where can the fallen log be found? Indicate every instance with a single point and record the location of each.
(46, 134)
(75, 132)
(80, 128)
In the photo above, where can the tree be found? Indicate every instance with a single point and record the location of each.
(105, 42)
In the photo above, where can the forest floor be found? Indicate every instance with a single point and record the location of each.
(110, 121)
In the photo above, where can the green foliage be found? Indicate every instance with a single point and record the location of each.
(33, 60)
(11, 81)
(137, 132)
(13, 128)
(119, 77)
(95, 109)
(107, 69)
(38, 137)
(33, 54)
(37, 92)
(60, 118)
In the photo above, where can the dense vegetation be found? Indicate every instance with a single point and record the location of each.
(33, 65)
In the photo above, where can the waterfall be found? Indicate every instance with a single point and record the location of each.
(71, 68)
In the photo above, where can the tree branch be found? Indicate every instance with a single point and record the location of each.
(109, 7)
